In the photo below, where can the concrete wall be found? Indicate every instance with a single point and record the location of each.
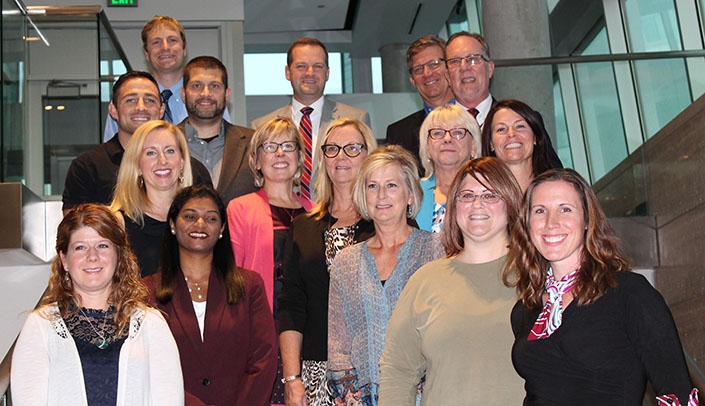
(663, 179)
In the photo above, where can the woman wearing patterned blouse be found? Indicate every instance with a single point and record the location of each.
(93, 340)
(448, 138)
(367, 278)
(313, 242)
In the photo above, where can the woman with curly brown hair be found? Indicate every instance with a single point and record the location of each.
(587, 331)
(93, 340)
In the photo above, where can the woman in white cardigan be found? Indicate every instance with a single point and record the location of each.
(93, 340)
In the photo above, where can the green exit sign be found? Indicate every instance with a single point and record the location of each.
(122, 3)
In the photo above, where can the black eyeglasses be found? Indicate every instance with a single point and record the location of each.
(351, 150)
(439, 133)
(472, 59)
(272, 147)
(467, 196)
(431, 65)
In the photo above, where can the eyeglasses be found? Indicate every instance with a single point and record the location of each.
(351, 150)
(439, 133)
(431, 65)
(272, 147)
(466, 196)
(472, 59)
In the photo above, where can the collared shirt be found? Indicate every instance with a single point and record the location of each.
(427, 109)
(483, 108)
(210, 153)
(316, 117)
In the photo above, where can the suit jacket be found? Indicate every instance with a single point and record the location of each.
(331, 111)
(236, 363)
(405, 132)
(235, 176)
(252, 235)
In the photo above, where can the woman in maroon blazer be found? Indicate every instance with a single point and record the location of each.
(218, 312)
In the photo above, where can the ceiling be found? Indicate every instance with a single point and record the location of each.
(360, 27)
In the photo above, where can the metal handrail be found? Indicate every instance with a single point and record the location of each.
(638, 56)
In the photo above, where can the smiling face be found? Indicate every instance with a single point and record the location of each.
(470, 84)
(432, 85)
(342, 170)
(198, 225)
(161, 161)
(557, 225)
(479, 221)
(387, 194)
(512, 138)
(137, 103)
(90, 260)
(278, 166)
(308, 73)
(205, 94)
(450, 152)
(164, 50)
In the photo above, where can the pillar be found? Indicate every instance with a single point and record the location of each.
(395, 77)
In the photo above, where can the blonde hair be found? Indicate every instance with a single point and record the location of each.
(445, 115)
(268, 131)
(324, 186)
(386, 156)
(130, 194)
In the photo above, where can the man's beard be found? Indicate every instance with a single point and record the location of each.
(195, 110)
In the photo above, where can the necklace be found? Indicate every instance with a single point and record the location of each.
(196, 285)
(102, 343)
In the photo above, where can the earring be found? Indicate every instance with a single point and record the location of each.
(220, 236)
(181, 175)
(173, 231)
(408, 210)
(67, 277)
(140, 181)
(367, 214)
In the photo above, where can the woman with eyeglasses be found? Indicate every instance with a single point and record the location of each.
(259, 222)
(448, 138)
(452, 319)
(313, 241)
(517, 136)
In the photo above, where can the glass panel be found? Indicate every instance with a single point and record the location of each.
(13, 89)
(600, 110)
(652, 26)
(376, 66)
(264, 74)
(562, 142)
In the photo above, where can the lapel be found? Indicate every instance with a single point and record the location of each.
(328, 114)
(233, 156)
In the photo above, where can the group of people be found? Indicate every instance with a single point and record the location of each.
(299, 263)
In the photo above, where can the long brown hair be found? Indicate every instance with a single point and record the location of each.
(600, 258)
(127, 293)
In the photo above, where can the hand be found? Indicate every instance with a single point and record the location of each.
(295, 393)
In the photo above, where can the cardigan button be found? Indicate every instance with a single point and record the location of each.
(206, 382)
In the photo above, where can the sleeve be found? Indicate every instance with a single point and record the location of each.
(30, 364)
(79, 186)
(262, 351)
(166, 382)
(237, 226)
(402, 364)
(653, 333)
(292, 298)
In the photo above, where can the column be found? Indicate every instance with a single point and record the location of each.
(395, 77)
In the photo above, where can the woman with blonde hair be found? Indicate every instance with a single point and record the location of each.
(260, 221)
(314, 240)
(156, 165)
(93, 339)
(587, 330)
(448, 138)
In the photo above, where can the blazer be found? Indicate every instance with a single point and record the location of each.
(331, 111)
(235, 175)
(252, 235)
(236, 363)
(405, 132)
(46, 367)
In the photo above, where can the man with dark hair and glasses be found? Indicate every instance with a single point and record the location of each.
(222, 147)
(470, 68)
(427, 72)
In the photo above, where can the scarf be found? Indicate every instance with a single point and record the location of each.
(552, 313)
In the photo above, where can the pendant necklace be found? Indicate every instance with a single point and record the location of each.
(102, 343)
(196, 285)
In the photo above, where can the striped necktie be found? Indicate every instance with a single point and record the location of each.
(307, 134)
(166, 95)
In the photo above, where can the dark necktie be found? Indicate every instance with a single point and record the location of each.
(166, 95)
(474, 112)
(306, 131)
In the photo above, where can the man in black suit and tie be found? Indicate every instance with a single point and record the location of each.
(427, 72)
(222, 147)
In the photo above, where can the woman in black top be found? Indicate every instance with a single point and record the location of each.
(587, 331)
(313, 241)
